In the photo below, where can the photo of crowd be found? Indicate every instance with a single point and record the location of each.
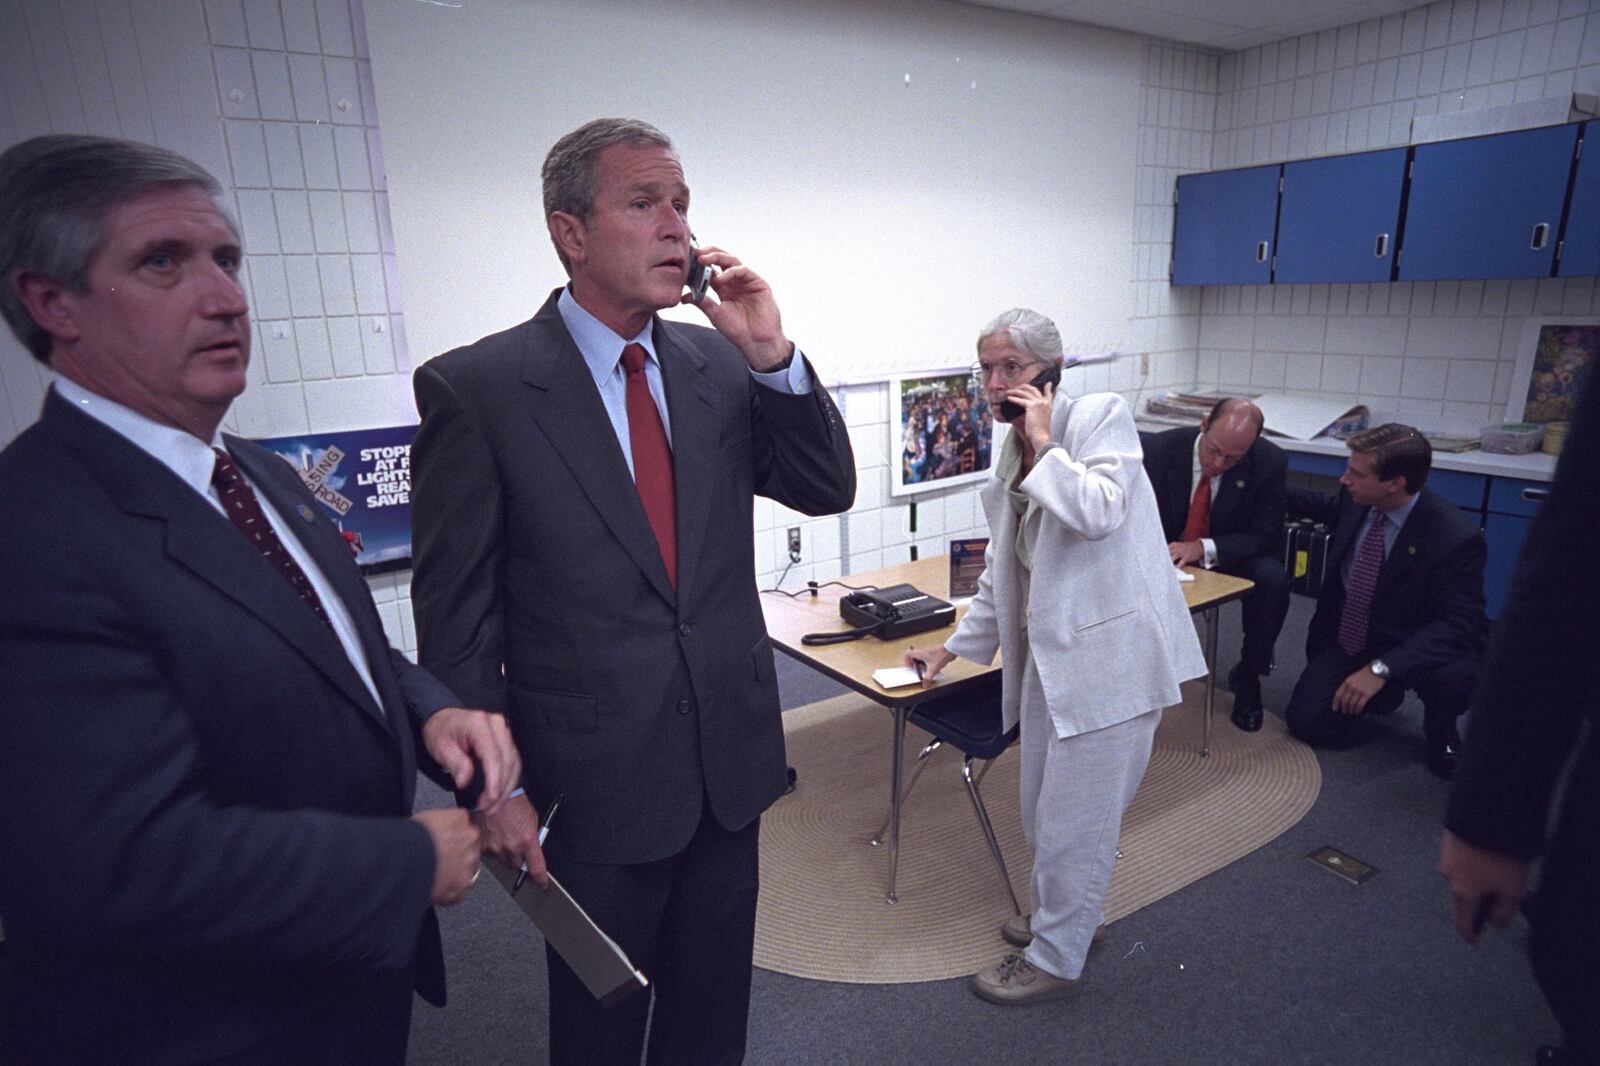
(946, 431)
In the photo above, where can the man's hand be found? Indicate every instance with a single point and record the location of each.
(745, 311)
(1356, 690)
(932, 659)
(512, 835)
(456, 736)
(455, 853)
(1186, 552)
(1036, 407)
(1486, 885)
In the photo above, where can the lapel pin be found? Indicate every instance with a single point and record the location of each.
(1411, 550)
(307, 513)
(1239, 484)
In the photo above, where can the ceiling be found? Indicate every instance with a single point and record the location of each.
(1225, 24)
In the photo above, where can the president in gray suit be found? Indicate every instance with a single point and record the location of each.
(582, 487)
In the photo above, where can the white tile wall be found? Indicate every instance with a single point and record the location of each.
(1439, 353)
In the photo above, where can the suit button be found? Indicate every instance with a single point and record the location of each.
(683, 706)
(683, 629)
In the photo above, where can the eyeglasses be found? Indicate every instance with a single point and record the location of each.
(1010, 370)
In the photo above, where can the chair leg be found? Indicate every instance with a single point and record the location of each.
(922, 764)
(988, 831)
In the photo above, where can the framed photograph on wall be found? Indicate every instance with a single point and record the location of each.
(943, 432)
(1556, 357)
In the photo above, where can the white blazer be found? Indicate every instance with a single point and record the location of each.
(1107, 626)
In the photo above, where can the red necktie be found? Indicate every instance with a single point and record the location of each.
(1199, 524)
(1358, 594)
(244, 511)
(652, 460)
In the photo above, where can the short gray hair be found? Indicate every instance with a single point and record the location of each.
(55, 193)
(1028, 331)
(571, 172)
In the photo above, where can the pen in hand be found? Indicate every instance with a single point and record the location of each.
(544, 831)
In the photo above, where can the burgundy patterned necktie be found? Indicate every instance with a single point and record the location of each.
(244, 511)
(1363, 582)
(652, 460)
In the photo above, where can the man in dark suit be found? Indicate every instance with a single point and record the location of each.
(207, 749)
(1402, 607)
(1221, 490)
(582, 486)
(1541, 684)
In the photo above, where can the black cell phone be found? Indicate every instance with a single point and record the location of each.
(699, 273)
(1050, 375)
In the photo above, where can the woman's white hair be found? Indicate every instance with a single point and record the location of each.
(1028, 331)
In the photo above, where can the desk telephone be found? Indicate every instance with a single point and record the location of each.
(888, 614)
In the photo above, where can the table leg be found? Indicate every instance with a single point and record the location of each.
(1211, 679)
(898, 749)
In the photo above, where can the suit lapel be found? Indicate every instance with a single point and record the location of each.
(694, 445)
(202, 541)
(1229, 489)
(335, 568)
(1409, 543)
(564, 402)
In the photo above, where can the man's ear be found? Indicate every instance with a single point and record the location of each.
(49, 303)
(567, 231)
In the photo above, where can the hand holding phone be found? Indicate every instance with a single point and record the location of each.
(1050, 375)
(699, 273)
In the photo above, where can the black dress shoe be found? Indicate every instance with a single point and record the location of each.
(1246, 686)
(1442, 754)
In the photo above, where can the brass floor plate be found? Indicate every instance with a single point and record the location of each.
(1348, 867)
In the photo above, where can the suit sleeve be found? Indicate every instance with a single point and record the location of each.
(459, 556)
(1159, 457)
(1318, 506)
(803, 457)
(1542, 674)
(1455, 588)
(1262, 532)
(1085, 483)
(114, 844)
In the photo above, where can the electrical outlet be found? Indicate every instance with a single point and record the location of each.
(794, 543)
(1144, 364)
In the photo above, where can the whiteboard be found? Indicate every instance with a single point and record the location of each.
(900, 172)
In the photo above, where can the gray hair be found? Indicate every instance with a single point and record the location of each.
(1028, 331)
(55, 193)
(571, 172)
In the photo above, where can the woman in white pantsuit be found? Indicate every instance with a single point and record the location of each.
(1079, 594)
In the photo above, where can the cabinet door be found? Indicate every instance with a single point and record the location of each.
(1339, 217)
(1580, 253)
(1504, 534)
(1222, 233)
(1487, 207)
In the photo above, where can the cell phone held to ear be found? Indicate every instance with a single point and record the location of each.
(1050, 375)
(699, 274)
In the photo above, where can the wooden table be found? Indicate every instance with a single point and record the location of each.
(851, 664)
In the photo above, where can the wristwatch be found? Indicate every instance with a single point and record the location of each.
(1379, 668)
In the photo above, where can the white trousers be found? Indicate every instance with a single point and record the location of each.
(1074, 791)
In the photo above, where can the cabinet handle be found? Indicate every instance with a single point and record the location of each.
(1381, 249)
(1540, 233)
(1261, 251)
(1535, 495)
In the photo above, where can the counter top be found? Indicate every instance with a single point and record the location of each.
(1535, 466)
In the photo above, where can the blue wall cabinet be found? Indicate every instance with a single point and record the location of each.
(1487, 207)
(1580, 253)
(1223, 227)
(1339, 217)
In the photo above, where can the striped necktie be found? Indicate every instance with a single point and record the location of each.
(1363, 582)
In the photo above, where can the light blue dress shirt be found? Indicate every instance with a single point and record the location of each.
(601, 349)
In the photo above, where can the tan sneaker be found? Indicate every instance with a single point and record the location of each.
(1018, 930)
(1015, 981)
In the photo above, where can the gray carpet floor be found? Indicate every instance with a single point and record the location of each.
(1270, 960)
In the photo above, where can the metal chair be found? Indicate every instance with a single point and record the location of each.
(970, 722)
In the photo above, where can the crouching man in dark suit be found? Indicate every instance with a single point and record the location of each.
(1221, 491)
(583, 488)
(208, 750)
(1402, 607)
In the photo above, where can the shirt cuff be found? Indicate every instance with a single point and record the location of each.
(1208, 557)
(794, 379)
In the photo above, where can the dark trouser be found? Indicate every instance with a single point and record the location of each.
(1565, 946)
(1264, 608)
(1311, 717)
(688, 923)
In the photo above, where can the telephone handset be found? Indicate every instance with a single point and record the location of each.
(1050, 375)
(699, 273)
